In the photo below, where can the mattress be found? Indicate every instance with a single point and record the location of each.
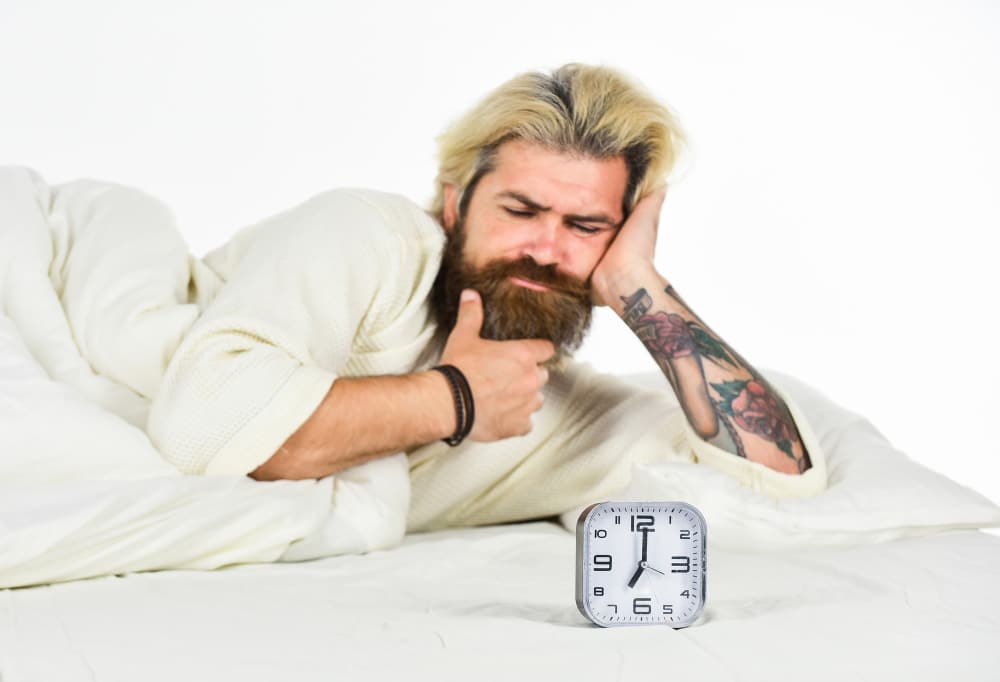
(497, 603)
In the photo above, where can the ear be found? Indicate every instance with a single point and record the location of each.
(450, 205)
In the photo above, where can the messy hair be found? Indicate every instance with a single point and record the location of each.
(591, 111)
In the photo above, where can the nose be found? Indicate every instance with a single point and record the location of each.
(544, 243)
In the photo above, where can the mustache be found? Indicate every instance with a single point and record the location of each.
(528, 268)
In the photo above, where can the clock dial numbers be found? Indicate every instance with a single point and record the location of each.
(641, 606)
(680, 564)
(641, 563)
(642, 522)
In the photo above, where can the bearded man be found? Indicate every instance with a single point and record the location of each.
(357, 326)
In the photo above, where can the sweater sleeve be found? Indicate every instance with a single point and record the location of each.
(265, 351)
(759, 477)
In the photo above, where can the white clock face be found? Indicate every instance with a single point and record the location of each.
(641, 563)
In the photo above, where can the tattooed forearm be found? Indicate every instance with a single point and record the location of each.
(740, 398)
(665, 336)
(636, 306)
(672, 293)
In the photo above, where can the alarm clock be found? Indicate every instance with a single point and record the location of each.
(641, 563)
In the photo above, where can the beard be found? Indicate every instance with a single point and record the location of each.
(561, 315)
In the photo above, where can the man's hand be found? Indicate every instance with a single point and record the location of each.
(631, 252)
(505, 376)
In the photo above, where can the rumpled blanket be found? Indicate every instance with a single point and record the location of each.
(94, 299)
(97, 289)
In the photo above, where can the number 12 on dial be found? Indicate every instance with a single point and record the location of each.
(641, 563)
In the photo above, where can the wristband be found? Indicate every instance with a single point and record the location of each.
(465, 407)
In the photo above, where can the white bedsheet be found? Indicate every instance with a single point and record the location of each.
(497, 603)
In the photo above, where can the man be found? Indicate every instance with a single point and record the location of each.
(321, 334)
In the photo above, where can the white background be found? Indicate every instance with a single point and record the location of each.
(835, 219)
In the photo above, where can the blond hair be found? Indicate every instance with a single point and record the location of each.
(593, 111)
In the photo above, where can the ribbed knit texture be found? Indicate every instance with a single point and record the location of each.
(336, 286)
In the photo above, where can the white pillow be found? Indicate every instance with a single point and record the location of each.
(875, 492)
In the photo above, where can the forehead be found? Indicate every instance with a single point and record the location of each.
(566, 182)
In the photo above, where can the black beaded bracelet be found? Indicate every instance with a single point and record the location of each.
(456, 394)
(465, 407)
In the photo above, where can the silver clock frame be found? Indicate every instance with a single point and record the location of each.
(582, 544)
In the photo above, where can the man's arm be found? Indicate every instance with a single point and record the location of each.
(724, 398)
(715, 386)
(361, 419)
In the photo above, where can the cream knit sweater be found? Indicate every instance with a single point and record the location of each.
(338, 286)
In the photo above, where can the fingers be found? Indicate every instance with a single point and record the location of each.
(649, 208)
(533, 382)
(539, 401)
(660, 198)
(653, 203)
(543, 376)
(538, 350)
(507, 377)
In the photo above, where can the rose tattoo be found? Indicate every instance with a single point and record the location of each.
(757, 411)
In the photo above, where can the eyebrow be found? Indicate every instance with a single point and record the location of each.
(535, 206)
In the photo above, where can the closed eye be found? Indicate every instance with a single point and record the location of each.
(527, 214)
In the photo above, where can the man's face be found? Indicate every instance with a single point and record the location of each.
(535, 229)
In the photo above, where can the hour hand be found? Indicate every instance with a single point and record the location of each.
(635, 576)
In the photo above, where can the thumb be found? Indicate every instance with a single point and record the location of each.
(470, 313)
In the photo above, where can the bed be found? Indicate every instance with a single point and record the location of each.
(114, 566)
(497, 603)
(885, 576)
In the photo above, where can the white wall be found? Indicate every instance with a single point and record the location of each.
(836, 220)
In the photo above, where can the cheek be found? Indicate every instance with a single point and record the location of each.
(482, 246)
(504, 239)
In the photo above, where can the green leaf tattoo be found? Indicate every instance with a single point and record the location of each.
(708, 346)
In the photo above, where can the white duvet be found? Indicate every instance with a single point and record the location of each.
(86, 329)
